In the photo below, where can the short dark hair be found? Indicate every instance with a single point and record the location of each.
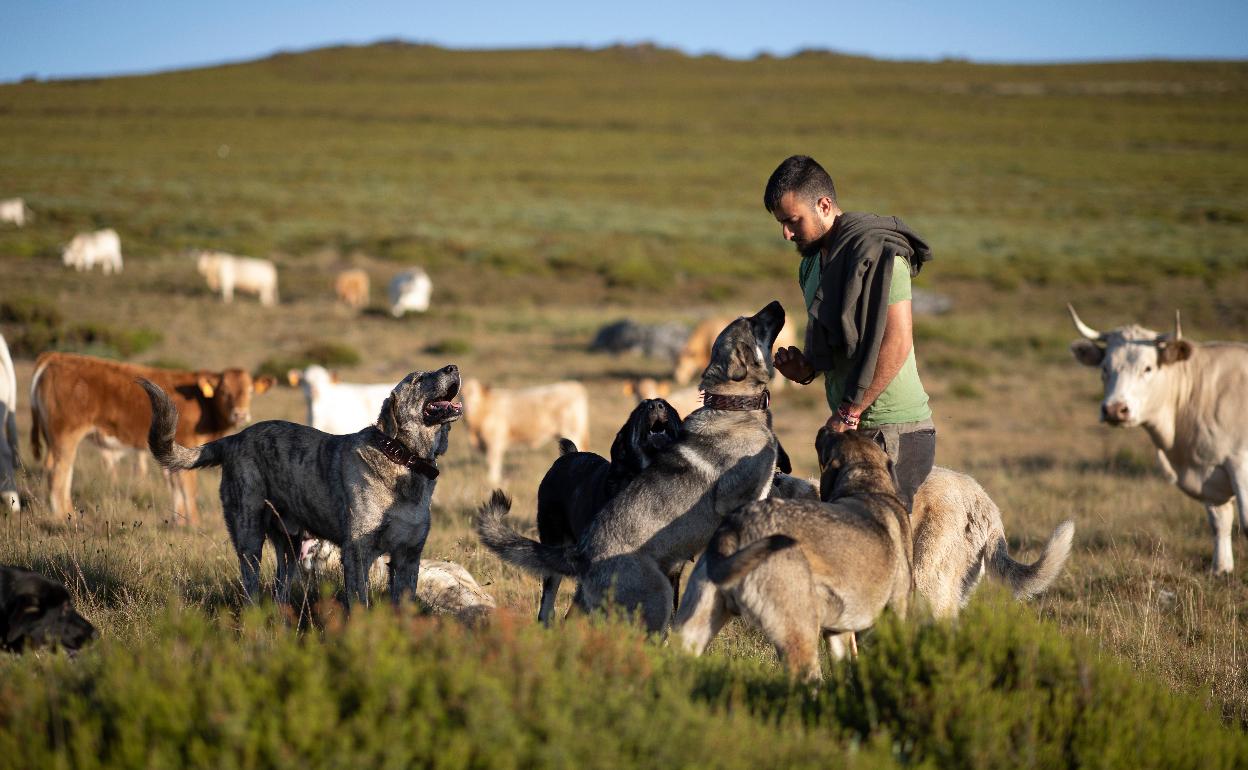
(799, 174)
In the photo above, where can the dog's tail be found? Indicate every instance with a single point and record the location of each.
(566, 447)
(169, 454)
(726, 565)
(512, 547)
(1027, 580)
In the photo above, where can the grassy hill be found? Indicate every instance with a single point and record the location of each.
(548, 193)
(640, 168)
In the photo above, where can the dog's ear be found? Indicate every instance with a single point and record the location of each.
(443, 441)
(892, 474)
(24, 609)
(782, 458)
(738, 366)
(624, 450)
(388, 420)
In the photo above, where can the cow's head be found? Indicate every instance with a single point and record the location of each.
(229, 393)
(1133, 362)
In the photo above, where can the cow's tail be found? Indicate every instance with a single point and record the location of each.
(171, 455)
(37, 416)
(567, 447)
(1027, 580)
(514, 548)
(727, 563)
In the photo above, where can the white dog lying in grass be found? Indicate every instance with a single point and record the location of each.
(444, 586)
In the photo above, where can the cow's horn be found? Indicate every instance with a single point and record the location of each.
(1178, 327)
(1084, 329)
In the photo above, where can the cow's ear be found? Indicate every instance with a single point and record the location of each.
(293, 376)
(1087, 352)
(335, 377)
(263, 383)
(665, 388)
(1173, 351)
(205, 387)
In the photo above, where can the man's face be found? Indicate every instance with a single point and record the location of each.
(802, 223)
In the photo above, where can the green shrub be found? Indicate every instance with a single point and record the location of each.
(40, 326)
(328, 354)
(997, 689)
(451, 346)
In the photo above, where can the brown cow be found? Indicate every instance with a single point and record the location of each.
(73, 396)
(351, 286)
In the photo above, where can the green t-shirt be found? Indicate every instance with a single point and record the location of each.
(904, 400)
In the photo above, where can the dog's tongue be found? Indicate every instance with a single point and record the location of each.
(438, 406)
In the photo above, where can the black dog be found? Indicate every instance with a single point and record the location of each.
(579, 483)
(35, 611)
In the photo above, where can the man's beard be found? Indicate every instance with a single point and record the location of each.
(810, 249)
(814, 247)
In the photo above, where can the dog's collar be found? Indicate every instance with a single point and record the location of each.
(737, 403)
(401, 455)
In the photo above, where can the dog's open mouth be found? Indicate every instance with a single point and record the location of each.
(444, 409)
(659, 434)
(437, 412)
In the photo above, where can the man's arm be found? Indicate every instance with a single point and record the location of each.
(894, 348)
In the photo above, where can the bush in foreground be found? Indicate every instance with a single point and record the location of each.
(1000, 689)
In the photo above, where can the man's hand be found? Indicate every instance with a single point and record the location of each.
(837, 425)
(793, 365)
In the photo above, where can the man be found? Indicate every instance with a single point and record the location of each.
(855, 274)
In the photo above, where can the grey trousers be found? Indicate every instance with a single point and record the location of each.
(912, 448)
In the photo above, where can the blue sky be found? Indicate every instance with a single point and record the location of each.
(58, 38)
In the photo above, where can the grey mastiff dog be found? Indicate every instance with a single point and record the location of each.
(367, 492)
(724, 458)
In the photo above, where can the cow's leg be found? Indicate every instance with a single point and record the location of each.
(1220, 518)
(62, 455)
(183, 486)
(494, 459)
(1239, 479)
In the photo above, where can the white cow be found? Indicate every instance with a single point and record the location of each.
(86, 249)
(1191, 399)
(14, 210)
(9, 459)
(226, 272)
(338, 407)
(410, 290)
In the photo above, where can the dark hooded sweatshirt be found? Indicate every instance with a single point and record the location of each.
(850, 307)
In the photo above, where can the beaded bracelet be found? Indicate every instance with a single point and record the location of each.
(848, 417)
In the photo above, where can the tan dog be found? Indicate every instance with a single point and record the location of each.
(958, 536)
(800, 568)
(352, 288)
(496, 418)
(696, 354)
